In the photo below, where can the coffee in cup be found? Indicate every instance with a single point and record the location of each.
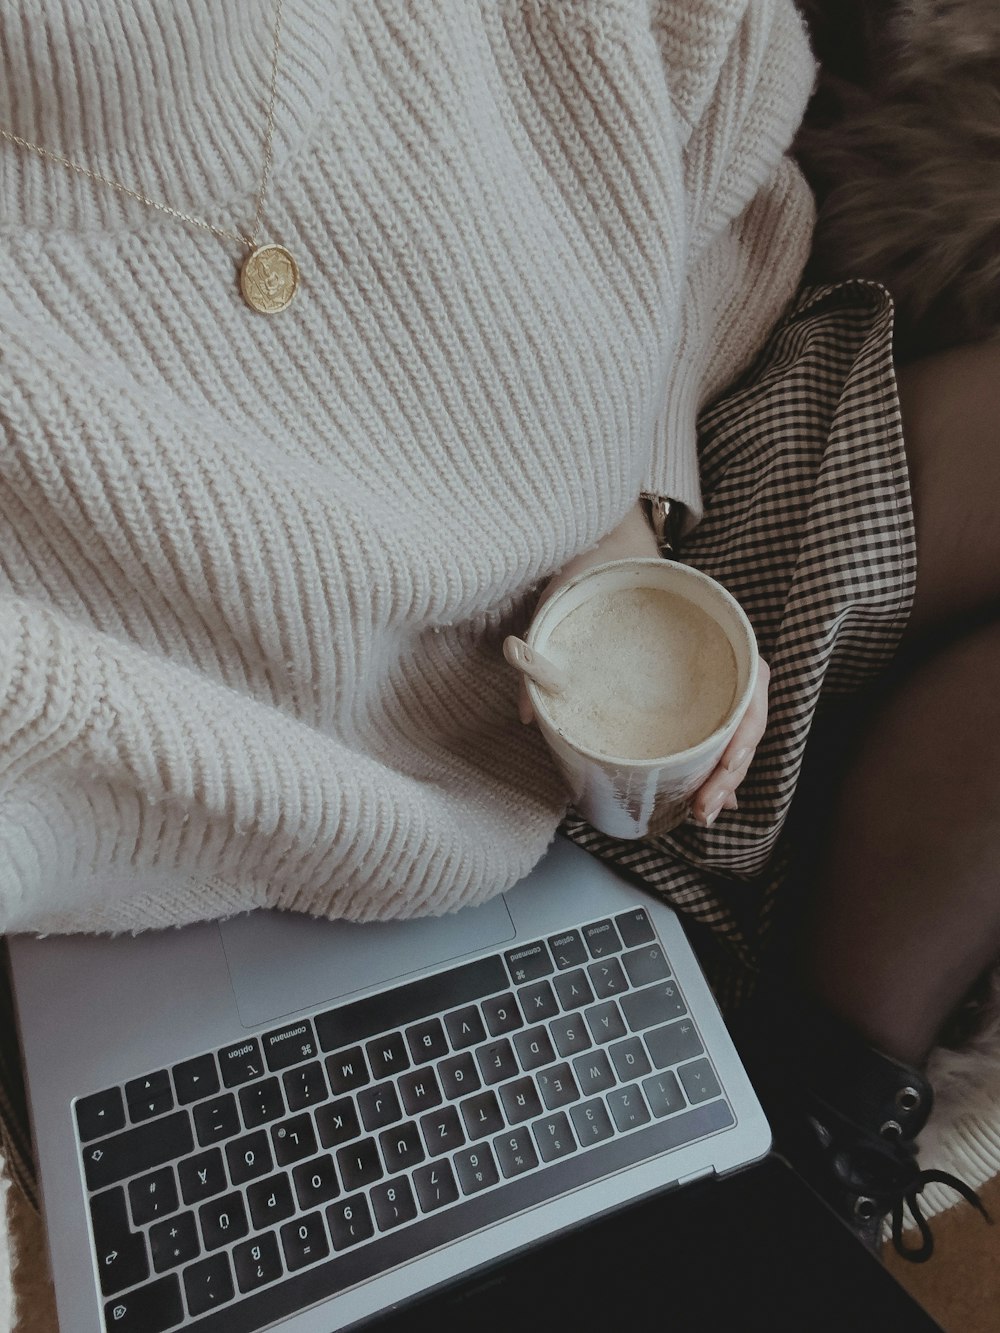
(660, 663)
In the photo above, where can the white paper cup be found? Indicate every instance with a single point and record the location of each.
(620, 795)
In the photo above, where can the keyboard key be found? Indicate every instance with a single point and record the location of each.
(350, 1221)
(627, 1107)
(196, 1079)
(435, 1185)
(304, 1241)
(379, 1106)
(305, 1086)
(645, 966)
(121, 1253)
(153, 1196)
(387, 1055)
(360, 1164)
(497, 1062)
(100, 1113)
(150, 1309)
(605, 1021)
(442, 1131)
(337, 1123)
(534, 1049)
(347, 1070)
(568, 949)
(136, 1150)
(476, 1168)
(573, 989)
(222, 1220)
(293, 1139)
(663, 1094)
(602, 939)
(557, 1086)
(408, 1004)
(465, 1027)
(594, 1073)
(520, 1100)
(316, 1181)
(607, 978)
(655, 1004)
(515, 1152)
(538, 1002)
(482, 1115)
(393, 1203)
(257, 1262)
(208, 1284)
(174, 1242)
(502, 1014)
(217, 1119)
(554, 1137)
(261, 1102)
(401, 1146)
(591, 1122)
(427, 1041)
(241, 1062)
(150, 1089)
(420, 1091)
(528, 962)
(629, 1059)
(202, 1176)
(152, 1106)
(459, 1076)
(249, 1158)
(570, 1034)
(287, 1046)
(270, 1201)
(673, 1043)
(699, 1082)
(634, 927)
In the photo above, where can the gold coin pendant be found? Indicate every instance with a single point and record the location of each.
(269, 279)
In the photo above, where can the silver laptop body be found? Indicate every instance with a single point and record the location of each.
(281, 1122)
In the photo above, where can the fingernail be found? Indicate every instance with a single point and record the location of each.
(731, 803)
(737, 760)
(711, 817)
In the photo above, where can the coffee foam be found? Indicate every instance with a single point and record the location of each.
(650, 674)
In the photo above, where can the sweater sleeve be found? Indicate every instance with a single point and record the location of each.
(739, 76)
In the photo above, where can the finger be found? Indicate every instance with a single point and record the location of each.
(747, 736)
(718, 791)
(524, 709)
(716, 794)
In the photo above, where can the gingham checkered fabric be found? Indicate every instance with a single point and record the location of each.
(808, 523)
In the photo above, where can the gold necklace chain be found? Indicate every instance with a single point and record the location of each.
(269, 275)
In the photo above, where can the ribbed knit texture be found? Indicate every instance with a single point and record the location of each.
(255, 573)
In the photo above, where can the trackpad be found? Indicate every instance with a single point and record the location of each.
(282, 962)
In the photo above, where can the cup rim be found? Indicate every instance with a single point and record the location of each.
(739, 707)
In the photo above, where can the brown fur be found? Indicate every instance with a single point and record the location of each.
(902, 145)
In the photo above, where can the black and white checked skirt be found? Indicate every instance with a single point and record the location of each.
(808, 523)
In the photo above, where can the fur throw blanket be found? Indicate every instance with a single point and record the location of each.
(902, 147)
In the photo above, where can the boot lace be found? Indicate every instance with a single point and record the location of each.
(887, 1176)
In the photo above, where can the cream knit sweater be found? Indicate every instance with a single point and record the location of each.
(255, 572)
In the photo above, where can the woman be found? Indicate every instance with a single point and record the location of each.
(257, 568)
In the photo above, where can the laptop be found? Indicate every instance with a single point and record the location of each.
(279, 1122)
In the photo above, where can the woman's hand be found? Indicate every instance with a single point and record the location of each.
(718, 791)
(634, 538)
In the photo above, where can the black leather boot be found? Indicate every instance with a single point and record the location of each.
(844, 1115)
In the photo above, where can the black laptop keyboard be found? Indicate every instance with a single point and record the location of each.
(238, 1187)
